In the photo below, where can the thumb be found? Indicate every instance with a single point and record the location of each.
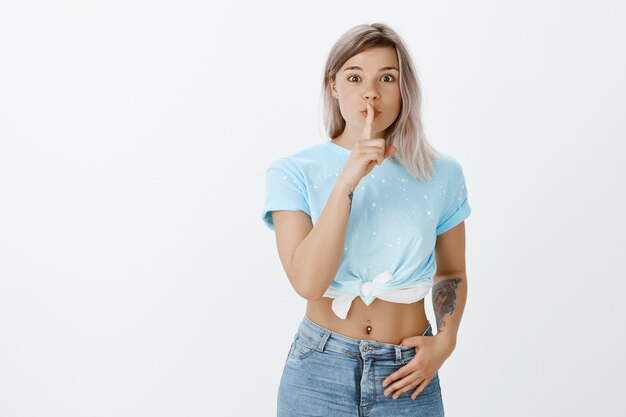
(389, 151)
(412, 341)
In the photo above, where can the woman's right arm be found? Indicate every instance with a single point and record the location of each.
(311, 255)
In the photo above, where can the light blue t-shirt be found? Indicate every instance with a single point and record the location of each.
(394, 220)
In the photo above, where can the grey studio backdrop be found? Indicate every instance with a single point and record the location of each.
(136, 275)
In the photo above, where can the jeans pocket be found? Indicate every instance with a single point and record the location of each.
(383, 370)
(301, 348)
(433, 387)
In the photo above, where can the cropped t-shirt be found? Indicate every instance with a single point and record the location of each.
(389, 250)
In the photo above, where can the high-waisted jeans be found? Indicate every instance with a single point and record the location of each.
(329, 374)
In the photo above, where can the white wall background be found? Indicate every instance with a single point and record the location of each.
(136, 275)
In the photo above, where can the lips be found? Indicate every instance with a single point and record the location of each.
(364, 113)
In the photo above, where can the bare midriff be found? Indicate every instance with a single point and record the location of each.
(389, 322)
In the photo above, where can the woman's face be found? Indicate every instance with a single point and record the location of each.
(373, 76)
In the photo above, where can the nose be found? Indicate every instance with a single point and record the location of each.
(371, 93)
(370, 96)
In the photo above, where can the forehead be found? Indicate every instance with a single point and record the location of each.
(373, 59)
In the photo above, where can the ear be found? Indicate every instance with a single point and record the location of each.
(332, 86)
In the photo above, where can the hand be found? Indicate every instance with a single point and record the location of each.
(430, 353)
(366, 153)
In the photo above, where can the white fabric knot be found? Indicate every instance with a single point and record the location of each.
(366, 289)
(376, 288)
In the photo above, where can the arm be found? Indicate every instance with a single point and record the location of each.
(450, 283)
(449, 293)
(311, 254)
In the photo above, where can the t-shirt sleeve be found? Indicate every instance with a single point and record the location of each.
(284, 190)
(457, 208)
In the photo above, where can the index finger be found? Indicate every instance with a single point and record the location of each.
(369, 119)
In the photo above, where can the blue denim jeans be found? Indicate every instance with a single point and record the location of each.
(329, 374)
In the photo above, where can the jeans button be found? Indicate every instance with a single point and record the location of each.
(365, 348)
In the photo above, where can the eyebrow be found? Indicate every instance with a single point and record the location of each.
(382, 69)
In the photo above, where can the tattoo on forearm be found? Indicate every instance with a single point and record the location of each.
(350, 197)
(444, 297)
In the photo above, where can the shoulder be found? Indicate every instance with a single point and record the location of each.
(447, 167)
(299, 161)
(446, 161)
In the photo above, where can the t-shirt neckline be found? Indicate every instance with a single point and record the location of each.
(336, 149)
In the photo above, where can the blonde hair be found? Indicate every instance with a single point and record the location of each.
(406, 133)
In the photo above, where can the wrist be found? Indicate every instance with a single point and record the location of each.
(449, 339)
(345, 186)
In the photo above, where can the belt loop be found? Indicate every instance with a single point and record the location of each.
(322, 344)
(398, 355)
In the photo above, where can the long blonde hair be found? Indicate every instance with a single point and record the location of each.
(406, 133)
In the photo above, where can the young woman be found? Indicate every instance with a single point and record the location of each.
(363, 221)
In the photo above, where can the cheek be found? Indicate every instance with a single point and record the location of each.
(397, 105)
(350, 108)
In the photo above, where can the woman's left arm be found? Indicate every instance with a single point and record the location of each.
(450, 283)
(449, 294)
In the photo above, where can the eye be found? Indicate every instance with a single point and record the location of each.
(384, 76)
